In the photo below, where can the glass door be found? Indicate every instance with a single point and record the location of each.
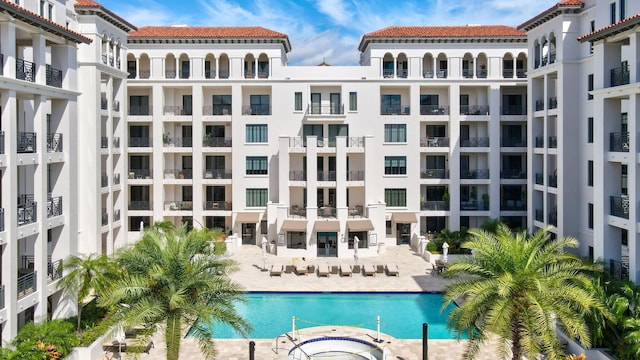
(248, 234)
(327, 244)
(403, 234)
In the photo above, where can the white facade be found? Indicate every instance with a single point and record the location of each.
(583, 96)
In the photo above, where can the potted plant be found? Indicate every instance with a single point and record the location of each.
(166, 138)
(485, 200)
(473, 193)
(446, 197)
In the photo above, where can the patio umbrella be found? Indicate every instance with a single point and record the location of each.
(264, 253)
(355, 248)
(120, 337)
(445, 251)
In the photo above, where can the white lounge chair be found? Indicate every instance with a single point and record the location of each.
(323, 270)
(302, 269)
(276, 270)
(369, 270)
(345, 270)
(392, 270)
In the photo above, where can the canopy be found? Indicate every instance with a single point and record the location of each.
(294, 225)
(248, 217)
(404, 217)
(327, 226)
(360, 225)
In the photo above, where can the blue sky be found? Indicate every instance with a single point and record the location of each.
(325, 29)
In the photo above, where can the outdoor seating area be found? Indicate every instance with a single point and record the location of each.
(326, 270)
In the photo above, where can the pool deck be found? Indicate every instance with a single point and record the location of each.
(413, 277)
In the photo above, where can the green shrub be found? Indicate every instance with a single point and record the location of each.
(219, 248)
(432, 246)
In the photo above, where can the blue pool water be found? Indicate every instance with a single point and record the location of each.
(401, 314)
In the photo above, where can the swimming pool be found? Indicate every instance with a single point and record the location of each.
(401, 314)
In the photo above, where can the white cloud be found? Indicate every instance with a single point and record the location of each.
(337, 10)
(151, 14)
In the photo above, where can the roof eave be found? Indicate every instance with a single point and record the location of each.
(611, 31)
(368, 40)
(109, 16)
(29, 18)
(547, 15)
(145, 39)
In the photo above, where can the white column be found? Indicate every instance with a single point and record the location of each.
(137, 67)
(255, 68)
(8, 40)
(217, 71)
(39, 57)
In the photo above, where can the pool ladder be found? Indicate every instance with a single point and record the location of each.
(293, 342)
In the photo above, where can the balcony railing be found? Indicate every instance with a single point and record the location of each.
(355, 175)
(256, 109)
(435, 205)
(104, 104)
(54, 206)
(474, 109)
(474, 174)
(218, 109)
(25, 70)
(1, 296)
(434, 174)
(513, 205)
(217, 174)
(178, 173)
(104, 142)
(54, 76)
(317, 109)
(514, 110)
(211, 141)
(297, 212)
(441, 74)
(177, 141)
(1, 219)
(140, 141)
(184, 74)
(467, 73)
(326, 176)
(553, 102)
(54, 270)
(619, 270)
(170, 74)
(620, 75)
(521, 73)
(1, 140)
(552, 57)
(619, 141)
(474, 205)
(104, 180)
(475, 142)
(1, 62)
(433, 110)
(434, 142)
(140, 205)
(513, 142)
(553, 142)
(395, 110)
(539, 105)
(27, 213)
(539, 179)
(217, 205)
(539, 141)
(620, 206)
(116, 215)
(116, 179)
(176, 110)
(327, 212)
(297, 175)
(482, 74)
(144, 74)
(513, 174)
(355, 142)
(115, 105)
(553, 181)
(428, 74)
(26, 142)
(54, 142)
(140, 110)
(26, 284)
(105, 217)
(507, 73)
(140, 174)
(178, 205)
(116, 142)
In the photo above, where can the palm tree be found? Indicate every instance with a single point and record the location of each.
(86, 274)
(518, 287)
(172, 281)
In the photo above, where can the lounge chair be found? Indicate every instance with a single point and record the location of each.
(345, 270)
(323, 270)
(392, 270)
(276, 270)
(369, 270)
(301, 269)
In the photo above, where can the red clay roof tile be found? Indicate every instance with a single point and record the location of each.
(469, 31)
(621, 23)
(205, 32)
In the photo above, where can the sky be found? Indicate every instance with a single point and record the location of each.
(328, 30)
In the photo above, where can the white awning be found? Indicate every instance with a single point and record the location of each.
(327, 226)
(404, 217)
(248, 217)
(294, 225)
(360, 225)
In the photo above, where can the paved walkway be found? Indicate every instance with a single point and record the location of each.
(413, 276)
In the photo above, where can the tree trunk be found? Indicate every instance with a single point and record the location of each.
(79, 315)
(516, 344)
(172, 335)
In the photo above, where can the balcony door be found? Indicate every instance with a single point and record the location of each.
(187, 105)
(327, 244)
(312, 130)
(316, 102)
(335, 103)
(138, 105)
(187, 133)
(337, 130)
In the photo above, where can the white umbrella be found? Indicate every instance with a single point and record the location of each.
(264, 253)
(445, 251)
(355, 248)
(141, 226)
(120, 336)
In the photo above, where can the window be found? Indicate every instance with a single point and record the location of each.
(388, 227)
(430, 105)
(296, 240)
(298, 101)
(394, 165)
(363, 239)
(263, 227)
(390, 104)
(395, 197)
(187, 193)
(260, 104)
(590, 173)
(42, 8)
(623, 9)
(257, 197)
(257, 133)
(590, 130)
(353, 101)
(590, 86)
(215, 222)
(221, 104)
(590, 216)
(257, 165)
(395, 133)
(612, 13)
(592, 26)
(138, 105)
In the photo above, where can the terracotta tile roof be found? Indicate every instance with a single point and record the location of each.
(614, 28)
(551, 13)
(205, 32)
(32, 18)
(469, 31)
(112, 17)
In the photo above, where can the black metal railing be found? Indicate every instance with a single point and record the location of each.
(434, 174)
(297, 175)
(140, 205)
(26, 142)
(474, 205)
(620, 75)
(26, 284)
(553, 102)
(104, 180)
(116, 179)
(297, 211)
(553, 142)
(217, 174)
(474, 109)
(435, 205)
(217, 205)
(54, 76)
(513, 142)
(54, 270)
(25, 70)
(1, 219)
(332, 109)
(552, 57)
(1, 142)
(54, 142)
(355, 175)
(475, 142)
(474, 174)
(217, 109)
(105, 217)
(395, 110)
(521, 73)
(116, 105)
(177, 141)
(140, 142)
(140, 110)
(178, 205)
(184, 74)
(513, 174)
(144, 74)
(104, 104)
(618, 269)
(104, 142)
(256, 109)
(514, 110)
(432, 110)
(178, 173)
(176, 110)
(116, 142)
(539, 179)
(434, 142)
(116, 215)
(140, 174)
(214, 141)
(619, 141)
(620, 206)
(507, 73)
(482, 74)
(536, 63)
(442, 74)
(539, 105)
(326, 176)
(539, 141)
(1, 62)
(27, 213)
(513, 205)
(355, 142)
(553, 181)
(428, 74)
(54, 206)
(170, 74)
(467, 73)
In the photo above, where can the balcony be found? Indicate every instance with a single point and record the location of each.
(433, 110)
(467, 73)
(434, 142)
(513, 174)
(552, 57)
(317, 109)
(475, 142)
(513, 142)
(25, 70)
(217, 174)
(105, 217)
(326, 176)
(26, 284)
(435, 205)
(1, 297)
(474, 109)
(218, 205)
(620, 75)
(116, 215)
(297, 175)
(177, 110)
(104, 142)
(474, 174)
(355, 175)
(441, 74)
(140, 174)
(104, 103)
(327, 212)
(355, 142)
(26, 142)
(427, 74)
(256, 109)
(178, 173)
(54, 270)
(116, 142)
(116, 179)
(140, 141)
(619, 141)
(211, 141)
(54, 76)
(296, 211)
(482, 73)
(116, 105)
(27, 212)
(619, 269)
(357, 211)
(620, 206)
(514, 110)
(513, 205)
(140, 110)
(104, 180)
(395, 110)
(184, 74)
(553, 102)
(553, 181)
(539, 142)
(170, 74)
(507, 73)
(539, 105)
(218, 109)
(539, 215)
(54, 206)
(539, 179)
(474, 205)
(521, 73)
(54, 142)
(553, 142)
(1, 141)
(140, 205)
(178, 205)
(177, 141)
(434, 174)
(1, 219)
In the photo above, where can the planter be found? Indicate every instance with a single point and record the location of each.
(93, 351)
